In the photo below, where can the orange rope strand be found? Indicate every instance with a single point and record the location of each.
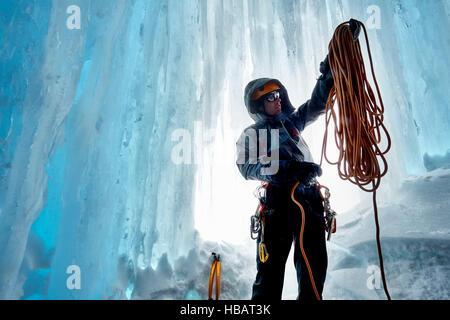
(302, 228)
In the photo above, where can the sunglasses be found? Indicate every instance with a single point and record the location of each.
(274, 95)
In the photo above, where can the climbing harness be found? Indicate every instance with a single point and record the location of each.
(358, 120)
(215, 269)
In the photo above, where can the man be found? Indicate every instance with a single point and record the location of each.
(273, 151)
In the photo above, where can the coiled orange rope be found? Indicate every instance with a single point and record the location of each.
(358, 120)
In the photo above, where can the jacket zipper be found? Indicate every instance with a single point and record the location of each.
(295, 142)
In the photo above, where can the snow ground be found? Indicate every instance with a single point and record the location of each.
(415, 239)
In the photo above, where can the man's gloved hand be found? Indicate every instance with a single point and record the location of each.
(324, 66)
(355, 27)
(325, 70)
(304, 171)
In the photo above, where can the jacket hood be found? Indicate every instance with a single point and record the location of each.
(251, 105)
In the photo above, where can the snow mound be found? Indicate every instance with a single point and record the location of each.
(415, 240)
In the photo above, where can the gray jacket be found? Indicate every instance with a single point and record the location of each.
(259, 156)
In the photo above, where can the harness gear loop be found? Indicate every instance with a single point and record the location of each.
(359, 119)
(215, 269)
(301, 241)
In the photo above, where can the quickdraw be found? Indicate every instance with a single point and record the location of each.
(330, 214)
(262, 249)
(257, 223)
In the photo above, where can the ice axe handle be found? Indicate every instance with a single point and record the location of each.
(330, 228)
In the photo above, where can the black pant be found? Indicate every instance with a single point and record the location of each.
(282, 226)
